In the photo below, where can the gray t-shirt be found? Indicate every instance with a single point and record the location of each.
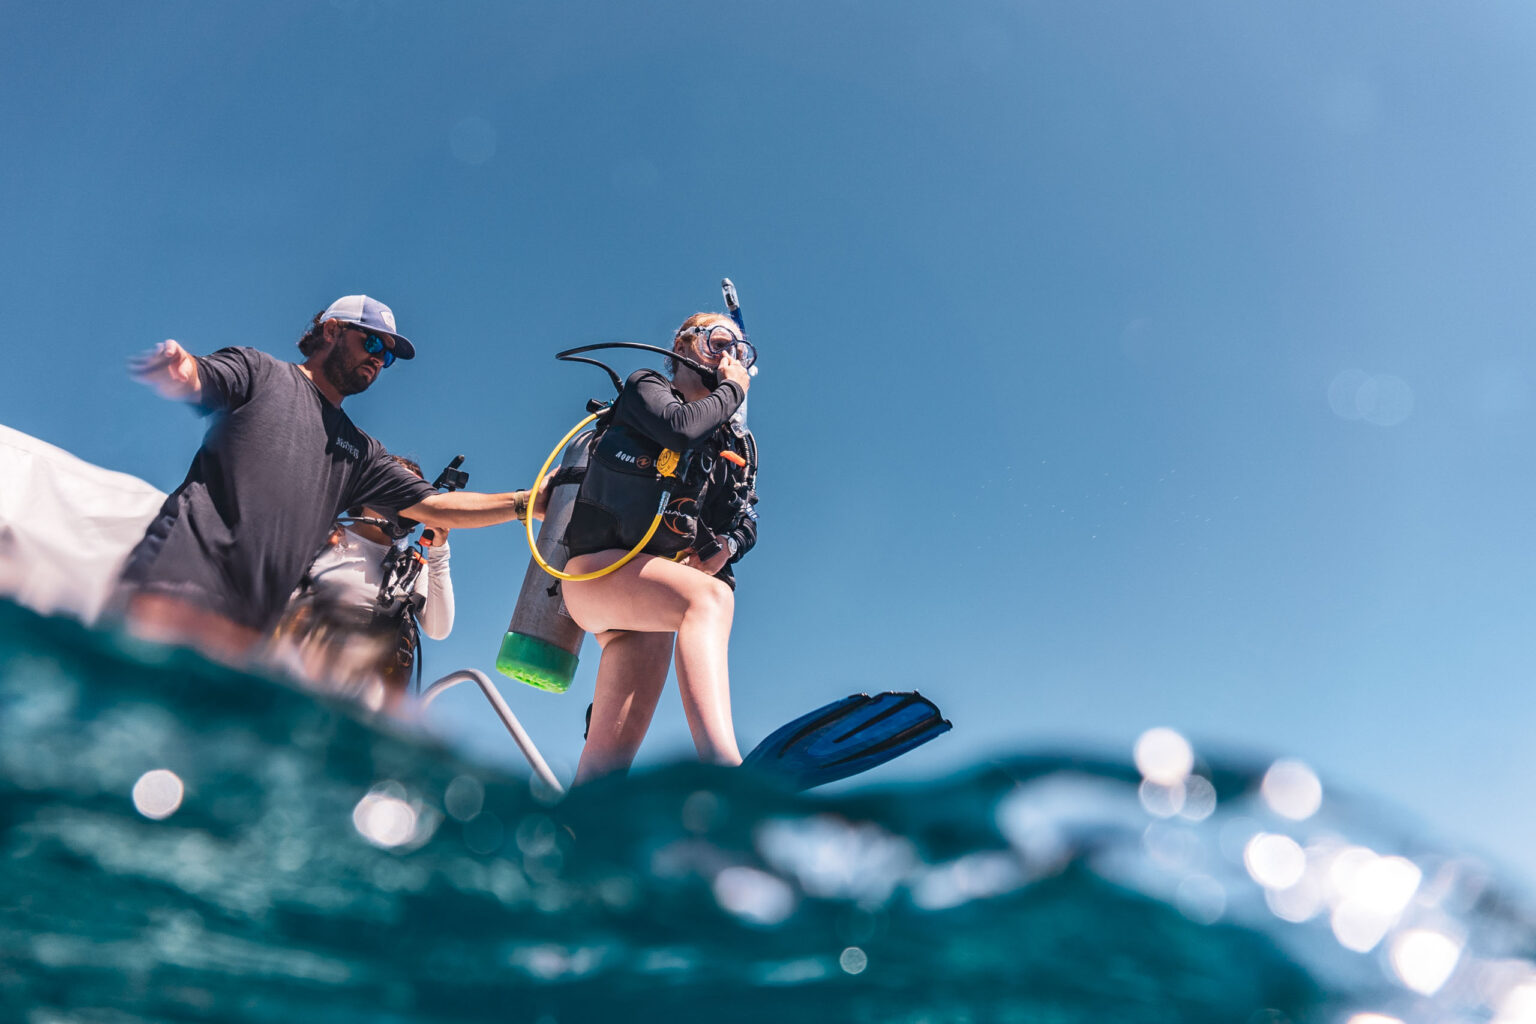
(276, 467)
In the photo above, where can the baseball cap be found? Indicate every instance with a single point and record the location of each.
(372, 315)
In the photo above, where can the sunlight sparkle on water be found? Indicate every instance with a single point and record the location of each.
(1518, 1006)
(1161, 801)
(384, 819)
(1300, 902)
(1292, 790)
(974, 876)
(464, 797)
(833, 858)
(1163, 756)
(1424, 959)
(1369, 893)
(754, 896)
(853, 960)
(1356, 928)
(1384, 885)
(1199, 799)
(1373, 1018)
(1274, 861)
(158, 794)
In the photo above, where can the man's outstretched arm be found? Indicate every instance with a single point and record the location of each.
(170, 370)
(456, 509)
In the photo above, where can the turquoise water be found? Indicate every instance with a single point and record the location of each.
(318, 867)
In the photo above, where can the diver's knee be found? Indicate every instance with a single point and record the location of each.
(714, 598)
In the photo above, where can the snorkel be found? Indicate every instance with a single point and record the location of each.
(732, 304)
(733, 307)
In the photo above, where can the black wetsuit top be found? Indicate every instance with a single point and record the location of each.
(277, 466)
(621, 490)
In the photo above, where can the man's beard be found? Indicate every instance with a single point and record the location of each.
(349, 380)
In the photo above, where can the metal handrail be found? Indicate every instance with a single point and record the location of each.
(519, 734)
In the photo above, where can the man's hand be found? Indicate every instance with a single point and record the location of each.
(730, 369)
(170, 370)
(541, 505)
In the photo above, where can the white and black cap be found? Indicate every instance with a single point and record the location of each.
(370, 315)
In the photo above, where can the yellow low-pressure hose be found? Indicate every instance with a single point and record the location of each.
(667, 466)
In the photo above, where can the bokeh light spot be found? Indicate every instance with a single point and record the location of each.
(754, 896)
(1292, 790)
(384, 820)
(1199, 799)
(158, 794)
(1274, 861)
(1163, 756)
(854, 960)
(464, 797)
(1201, 898)
(1424, 959)
(1296, 903)
(1518, 1005)
(1342, 391)
(1382, 399)
(1357, 928)
(1161, 801)
(1388, 883)
(1385, 400)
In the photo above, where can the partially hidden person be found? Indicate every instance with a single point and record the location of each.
(353, 627)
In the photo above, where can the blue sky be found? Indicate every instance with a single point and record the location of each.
(1122, 365)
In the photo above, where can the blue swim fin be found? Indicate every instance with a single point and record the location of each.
(846, 737)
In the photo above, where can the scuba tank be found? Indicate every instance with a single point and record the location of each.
(543, 645)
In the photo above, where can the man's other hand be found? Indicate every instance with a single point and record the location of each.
(170, 370)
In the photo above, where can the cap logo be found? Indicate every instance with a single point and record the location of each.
(387, 316)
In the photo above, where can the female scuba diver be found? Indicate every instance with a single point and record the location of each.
(681, 586)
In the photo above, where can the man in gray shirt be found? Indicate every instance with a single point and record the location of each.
(278, 464)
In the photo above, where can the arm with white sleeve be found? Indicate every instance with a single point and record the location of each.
(437, 613)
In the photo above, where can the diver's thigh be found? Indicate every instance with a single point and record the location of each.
(648, 595)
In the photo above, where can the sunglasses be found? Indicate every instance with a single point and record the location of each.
(377, 346)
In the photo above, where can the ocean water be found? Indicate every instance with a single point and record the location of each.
(181, 842)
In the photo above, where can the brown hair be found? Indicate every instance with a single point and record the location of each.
(313, 335)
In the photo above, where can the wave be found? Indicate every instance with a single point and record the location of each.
(183, 841)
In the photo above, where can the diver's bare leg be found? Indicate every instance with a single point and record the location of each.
(630, 678)
(654, 595)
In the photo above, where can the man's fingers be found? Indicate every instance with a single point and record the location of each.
(161, 355)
